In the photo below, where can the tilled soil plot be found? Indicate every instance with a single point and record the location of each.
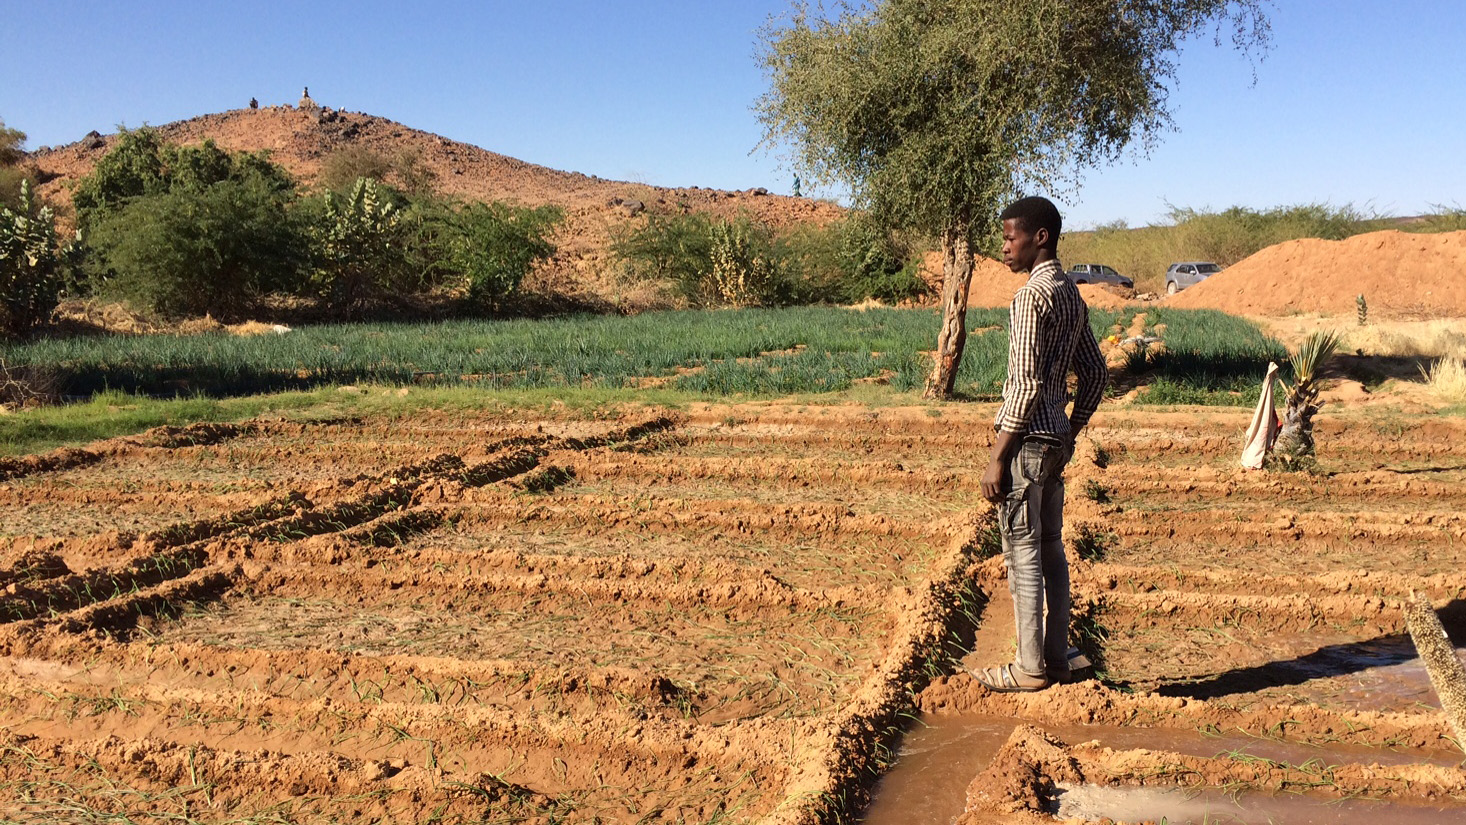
(1249, 623)
(710, 616)
(714, 615)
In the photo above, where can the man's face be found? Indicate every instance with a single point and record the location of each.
(1020, 247)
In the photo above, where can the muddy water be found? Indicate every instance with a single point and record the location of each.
(1177, 807)
(942, 753)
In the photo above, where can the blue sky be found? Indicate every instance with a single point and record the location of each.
(1359, 102)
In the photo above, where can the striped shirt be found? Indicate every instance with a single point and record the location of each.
(1050, 335)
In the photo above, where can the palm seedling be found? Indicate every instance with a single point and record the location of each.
(1293, 449)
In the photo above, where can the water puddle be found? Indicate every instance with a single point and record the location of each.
(940, 756)
(1175, 807)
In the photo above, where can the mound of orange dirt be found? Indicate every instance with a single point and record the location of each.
(1400, 274)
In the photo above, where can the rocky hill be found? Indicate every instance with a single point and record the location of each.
(301, 138)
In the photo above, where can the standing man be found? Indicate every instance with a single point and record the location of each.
(1050, 335)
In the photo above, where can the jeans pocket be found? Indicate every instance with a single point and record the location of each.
(1034, 460)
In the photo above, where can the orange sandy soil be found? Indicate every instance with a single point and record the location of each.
(1252, 604)
(715, 614)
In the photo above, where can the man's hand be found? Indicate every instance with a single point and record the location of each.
(994, 481)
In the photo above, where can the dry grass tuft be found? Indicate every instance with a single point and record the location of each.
(1447, 379)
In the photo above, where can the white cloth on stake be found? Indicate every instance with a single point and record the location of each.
(1264, 426)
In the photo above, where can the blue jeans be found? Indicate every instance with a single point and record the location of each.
(1032, 527)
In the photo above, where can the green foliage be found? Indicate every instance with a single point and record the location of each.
(742, 272)
(198, 250)
(11, 141)
(133, 167)
(140, 164)
(708, 262)
(12, 176)
(1445, 219)
(187, 229)
(935, 112)
(30, 265)
(493, 246)
(345, 166)
(810, 349)
(1209, 357)
(675, 249)
(848, 261)
(359, 247)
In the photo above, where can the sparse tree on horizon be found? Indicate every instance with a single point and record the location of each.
(935, 112)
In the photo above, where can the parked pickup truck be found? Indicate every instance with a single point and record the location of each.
(1098, 274)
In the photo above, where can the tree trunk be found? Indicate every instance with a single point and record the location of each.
(1293, 448)
(956, 280)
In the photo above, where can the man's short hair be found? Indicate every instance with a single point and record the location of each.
(1035, 213)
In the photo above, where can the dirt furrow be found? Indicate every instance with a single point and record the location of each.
(654, 515)
(306, 674)
(1091, 703)
(119, 615)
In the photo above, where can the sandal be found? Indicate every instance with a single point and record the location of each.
(1001, 680)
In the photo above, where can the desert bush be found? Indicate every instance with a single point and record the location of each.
(187, 229)
(404, 171)
(1447, 378)
(709, 262)
(743, 270)
(11, 173)
(358, 246)
(675, 249)
(198, 250)
(849, 261)
(132, 168)
(31, 265)
(493, 246)
(1445, 219)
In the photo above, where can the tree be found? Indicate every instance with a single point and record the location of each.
(493, 246)
(193, 251)
(934, 112)
(188, 229)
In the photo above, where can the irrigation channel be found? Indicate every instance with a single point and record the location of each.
(722, 613)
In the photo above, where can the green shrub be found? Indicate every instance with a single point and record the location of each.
(30, 265)
(707, 262)
(675, 250)
(187, 229)
(849, 261)
(743, 270)
(493, 246)
(12, 176)
(132, 168)
(359, 247)
(404, 171)
(198, 250)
